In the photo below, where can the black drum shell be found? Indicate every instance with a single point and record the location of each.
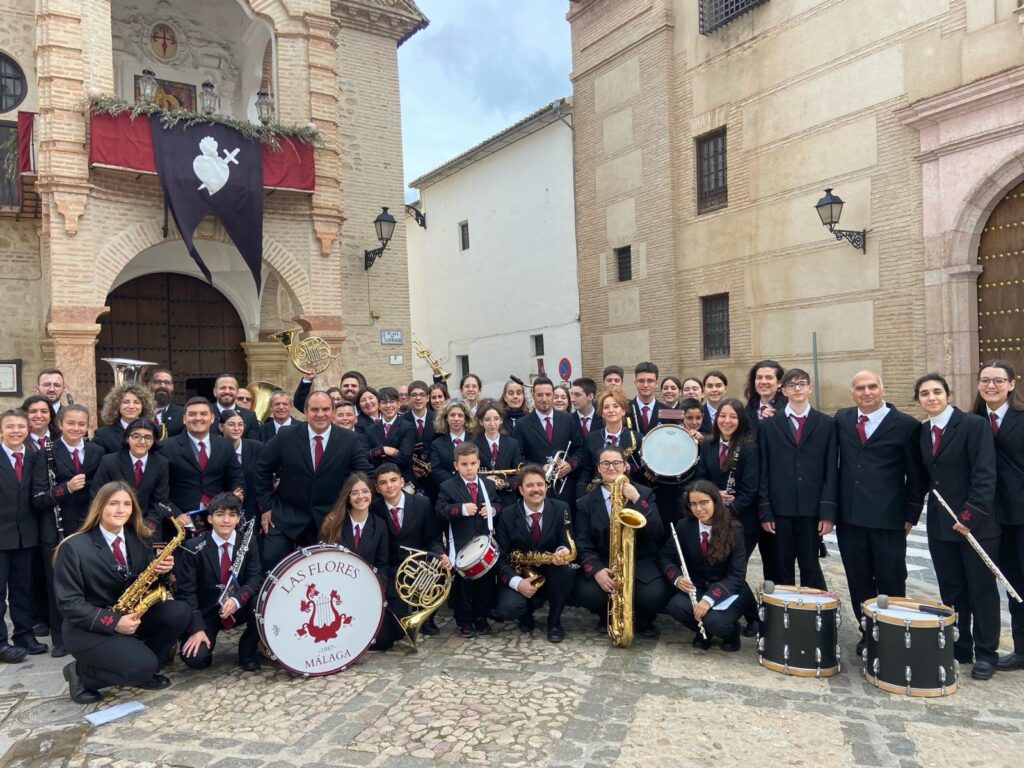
(924, 657)
(802, 636)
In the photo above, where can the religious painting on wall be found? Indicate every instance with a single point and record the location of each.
(170, 95)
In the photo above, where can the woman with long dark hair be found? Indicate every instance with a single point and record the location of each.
(42, 422)
(764, 391)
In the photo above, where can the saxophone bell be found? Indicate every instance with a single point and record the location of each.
(622, 525)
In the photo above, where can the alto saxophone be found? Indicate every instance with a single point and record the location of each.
(139, 598)
(622, 524)
(525, 561)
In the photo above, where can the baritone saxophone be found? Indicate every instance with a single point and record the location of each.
(623, 524)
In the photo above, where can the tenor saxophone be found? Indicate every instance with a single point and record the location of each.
(623, 524)
(139, 597)
(526, 561)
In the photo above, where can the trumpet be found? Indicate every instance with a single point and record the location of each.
(421, 464)
(500, 472)
(555, 482)
(424, 352)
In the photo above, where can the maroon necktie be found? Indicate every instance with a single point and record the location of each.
(723, 452)
(535, 527)
(494, 452)
(203, 458)
(585, 425)
(387, 429)
(118, 554)
(138, 472)
(613, 440)
(862, 428)
(704, 543)
(936, 439)
(76, 461)
(18, 465)
(799, 428)
(395, 521)
(472, 491)
(42, 441)
(457, 441)
(318, 451)
(225, 574)
(419, 429)
(761, 410)
(548, 429)
(994, 418)
(355, 537)
(645, 417)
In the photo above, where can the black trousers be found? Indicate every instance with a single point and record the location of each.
(247, 644)
(968, 586)
(471, 598)
(133, 659)
(1011, 558)
(875, 561)
(53, 617)
(796, 538)
(721, 623)
(40, 605)
(648, 599)
(16, 591)
(511, 605)
(277, 545)
(669, 497)
(766, 546)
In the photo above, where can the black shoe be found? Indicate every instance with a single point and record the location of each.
(429, 628)
(602, 626)
(556, 634)
(1010, 661)
(964, 658)
(983, 670)
(40, 629)
(731, 644)
(526, 623)
(648, 630)
(156, 683)
(861, 646)
(700, 642)
(752, 628)
(12, 654)
(58, 651)
(482, 627)
(33, 647)
(465, 630)
(249, 665)
(76, 688)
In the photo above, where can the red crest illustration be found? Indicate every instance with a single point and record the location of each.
(321, 632)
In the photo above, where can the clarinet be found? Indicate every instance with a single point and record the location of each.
(236, 564)
(730, 482)
(51, 475)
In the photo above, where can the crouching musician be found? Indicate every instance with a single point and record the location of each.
(535, 540)
(219, 575)
(117, 630)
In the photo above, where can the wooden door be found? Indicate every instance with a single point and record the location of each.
(1001, 283)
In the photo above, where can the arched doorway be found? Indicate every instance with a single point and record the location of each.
(177, 321)
(1001, 282)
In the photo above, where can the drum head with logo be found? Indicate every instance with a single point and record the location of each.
(319, 609)
(669, 451)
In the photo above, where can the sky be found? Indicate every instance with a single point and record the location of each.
(479, 67)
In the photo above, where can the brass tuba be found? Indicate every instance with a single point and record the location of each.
(622, 524)
(139, 598)
(126, 370)
(311, 356)
(423, 583)
(261, 392)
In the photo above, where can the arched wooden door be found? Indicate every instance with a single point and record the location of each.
(177, 321)
(1001, 283)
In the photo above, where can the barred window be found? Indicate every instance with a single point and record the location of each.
(624, 263)
(715, 312)
(8, 157)
(712, 187)
(464, 236)
(718, 13)
(12, 84)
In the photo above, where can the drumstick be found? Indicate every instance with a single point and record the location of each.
(882, 601)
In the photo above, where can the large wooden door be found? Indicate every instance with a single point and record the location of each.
(1001, 283)
(179, 322)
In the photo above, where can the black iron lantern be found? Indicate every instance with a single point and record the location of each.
(264, 107)
(830, 208)
(384, 225)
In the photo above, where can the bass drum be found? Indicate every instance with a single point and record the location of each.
(320, 609)
(669, 452)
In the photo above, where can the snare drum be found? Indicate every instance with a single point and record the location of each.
(320, 609)
(668, 451)
(908, 650)
(799, 629)
(477, 558)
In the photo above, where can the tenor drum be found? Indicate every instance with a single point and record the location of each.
(669, 452)
(799, 629)
(320, 609)
(908, 647)
(477, 558)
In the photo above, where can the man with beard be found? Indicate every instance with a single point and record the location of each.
(50, 384)
(352, 383)
(225, 387)
(170, 418)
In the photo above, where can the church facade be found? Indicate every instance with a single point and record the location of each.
(91, 266)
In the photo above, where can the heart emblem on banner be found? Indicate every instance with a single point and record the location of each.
(211, 169)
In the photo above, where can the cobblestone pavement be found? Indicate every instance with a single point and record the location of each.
(514, 699)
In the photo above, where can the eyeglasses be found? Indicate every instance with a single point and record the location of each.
(796, 385)
(417, 394)
(997, 380)
(611, 464)
(701, 503)
(141, 438)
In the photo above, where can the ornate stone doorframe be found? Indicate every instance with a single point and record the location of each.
(972, 144)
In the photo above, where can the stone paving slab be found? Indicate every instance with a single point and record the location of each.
(513, 699)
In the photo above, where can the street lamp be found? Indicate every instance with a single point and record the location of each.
(384, 225)
(264, 107)
(208, 99)
(148, 86)
(829, 209)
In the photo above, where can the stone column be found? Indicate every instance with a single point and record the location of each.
(951, 303)
(75, 332)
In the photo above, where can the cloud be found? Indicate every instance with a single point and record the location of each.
(480, 66)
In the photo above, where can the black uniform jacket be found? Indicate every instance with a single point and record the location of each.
(174, 419)
(402, 436)
(19, 527)
(269, 429)
(753, 407)
(302, 495)
(798, 480)
(252, 424)
(745, 477)
(251, 452)
(73, 504)
(636, 410)
(880, 482)
(420, 528)
(155, 488)
(595, 442)
(442, 458)
(197, 569)
(593, 534)
(450, 498)
(1009, 503)
(374, 546)
(188, 483)
(719, 580)
(510, 456)
(87, 580)
(963, 471)
(513, 533)
(534, 442)
(110, 438)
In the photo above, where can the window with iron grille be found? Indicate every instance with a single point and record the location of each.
(624, 263)
(712, 186)
(464, 236)
(8, 157)
(463, 363)
(718, 13)
(12, 84)
(715, 311)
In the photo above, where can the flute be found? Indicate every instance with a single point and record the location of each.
(981, 552)
(686, 575)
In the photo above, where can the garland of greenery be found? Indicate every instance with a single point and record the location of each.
(268, 134)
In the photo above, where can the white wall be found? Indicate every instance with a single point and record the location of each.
(518, 277)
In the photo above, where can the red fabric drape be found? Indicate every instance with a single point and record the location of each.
(25, 142)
